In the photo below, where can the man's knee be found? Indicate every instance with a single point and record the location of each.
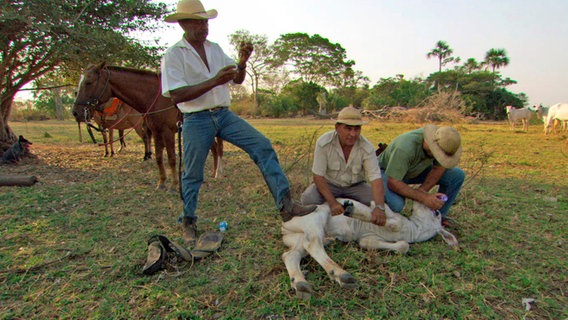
(454, 176)
(396, 206)
(311, 196)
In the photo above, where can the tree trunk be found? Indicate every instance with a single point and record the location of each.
(58, 103)
(7, 136)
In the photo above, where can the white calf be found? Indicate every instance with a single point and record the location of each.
(305, 235)
(523, 114)
(558, 112)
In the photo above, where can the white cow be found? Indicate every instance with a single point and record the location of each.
(305, 235)
(558, 112)
(523, 114)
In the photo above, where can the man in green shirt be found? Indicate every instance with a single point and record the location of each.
(425, 157)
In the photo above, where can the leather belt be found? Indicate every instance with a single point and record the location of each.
(216, 109)
(211, 110)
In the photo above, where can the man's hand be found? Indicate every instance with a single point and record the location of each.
(432, 201)
(225, 75)
(245, 50)
(378, 217)
(336, 208)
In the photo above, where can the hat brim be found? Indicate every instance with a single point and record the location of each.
(447, 161)
(175, 17)
(352, 122)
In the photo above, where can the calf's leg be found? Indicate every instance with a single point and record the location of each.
(375, 243)
(292, 259)
(313, 244)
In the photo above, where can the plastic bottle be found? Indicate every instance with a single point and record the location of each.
(223, 226)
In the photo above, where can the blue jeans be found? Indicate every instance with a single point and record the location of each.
(450, 184)
(199, 130)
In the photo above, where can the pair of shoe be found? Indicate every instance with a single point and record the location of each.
(290, 209)
(158, 248)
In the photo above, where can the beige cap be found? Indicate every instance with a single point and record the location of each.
(445, 144)
(350, 116)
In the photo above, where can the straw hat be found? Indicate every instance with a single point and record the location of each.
(350, 116)
(445, 144)
(191, 9)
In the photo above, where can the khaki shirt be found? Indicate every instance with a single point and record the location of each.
(330, 163)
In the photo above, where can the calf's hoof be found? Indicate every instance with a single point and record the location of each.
(303, 290)
(402, 247)
(347, 281)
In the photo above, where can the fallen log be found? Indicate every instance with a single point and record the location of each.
(21, 181)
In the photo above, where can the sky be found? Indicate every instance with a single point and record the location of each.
(390, 37)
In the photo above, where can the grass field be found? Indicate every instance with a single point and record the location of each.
(74, 244)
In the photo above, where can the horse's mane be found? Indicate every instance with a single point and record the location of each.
(124, 69)
(131, 70)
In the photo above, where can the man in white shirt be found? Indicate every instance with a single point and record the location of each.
(196, 74)
(343, 161)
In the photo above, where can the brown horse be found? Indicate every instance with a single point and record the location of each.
(116, 115)
(142, 90)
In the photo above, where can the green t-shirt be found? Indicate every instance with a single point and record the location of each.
(404, 158)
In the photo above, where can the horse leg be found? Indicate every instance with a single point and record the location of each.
(170, 141)
(217, 153)
(292, 259)
(219, 170)
(215, 159)
(159, 150)
(122, 142)
(142, 132)
(111, 141)
(105, 142)
(80, 135)
(147, 138)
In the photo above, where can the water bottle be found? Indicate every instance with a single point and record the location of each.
(443, 197)
(223, 226)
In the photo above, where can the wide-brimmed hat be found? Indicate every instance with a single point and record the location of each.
(191, 9)
(445, 144)
(350, 116)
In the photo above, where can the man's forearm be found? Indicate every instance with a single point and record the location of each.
(432, 178)
(323, 188)
(405, 190)
(189, 93)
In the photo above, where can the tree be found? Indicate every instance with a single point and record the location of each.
(313, 58)
(38, 37)
(443, 52)
(257, 65)
(471, 65)
(496, 58)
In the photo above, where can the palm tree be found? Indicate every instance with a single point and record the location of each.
(443, 52)
(470, 65)
(496, 58)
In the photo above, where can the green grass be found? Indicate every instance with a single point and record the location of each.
(73, 245)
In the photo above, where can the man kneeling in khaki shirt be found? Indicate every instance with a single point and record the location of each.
(344, 161)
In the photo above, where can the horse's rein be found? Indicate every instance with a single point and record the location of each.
(148, 111)
(96, 103)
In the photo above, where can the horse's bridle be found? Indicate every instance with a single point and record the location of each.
(96, 103)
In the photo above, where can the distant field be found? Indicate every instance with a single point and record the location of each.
(74, 243)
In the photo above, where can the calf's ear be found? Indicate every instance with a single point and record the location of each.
(448, 237)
